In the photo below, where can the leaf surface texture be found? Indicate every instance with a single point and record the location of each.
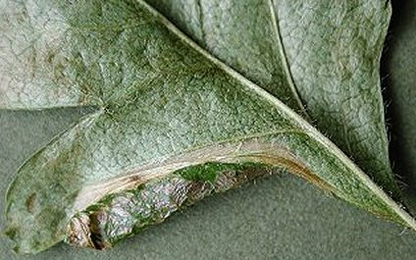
(163, 105)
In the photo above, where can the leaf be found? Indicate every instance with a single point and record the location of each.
(167, 113)
(326, 53)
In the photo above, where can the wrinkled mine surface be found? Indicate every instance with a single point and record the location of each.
(125, 213)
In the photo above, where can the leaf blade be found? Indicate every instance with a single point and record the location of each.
(328, 54)
(138, 132)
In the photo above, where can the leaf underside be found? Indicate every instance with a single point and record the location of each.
(172, 122)
(320, 58)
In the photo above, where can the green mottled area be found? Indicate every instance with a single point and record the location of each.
(208, 172)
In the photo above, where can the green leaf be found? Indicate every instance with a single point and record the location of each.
(165, 109)
(327, 53)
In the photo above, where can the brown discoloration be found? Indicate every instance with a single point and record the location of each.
(157, 199)
(132, 178)
(293, 166)
(232, 179)
(98, 221)
(78, 232)
(305, 173)
(31, 203)
(162, 193)
(225, 181)
(136, 178)
(198, 190)
(85, 230)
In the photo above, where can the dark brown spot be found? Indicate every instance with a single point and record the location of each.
(198, 190)
(31, 203)
(97, 228)
(50, 56)
(134, 178)
(78, 232)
